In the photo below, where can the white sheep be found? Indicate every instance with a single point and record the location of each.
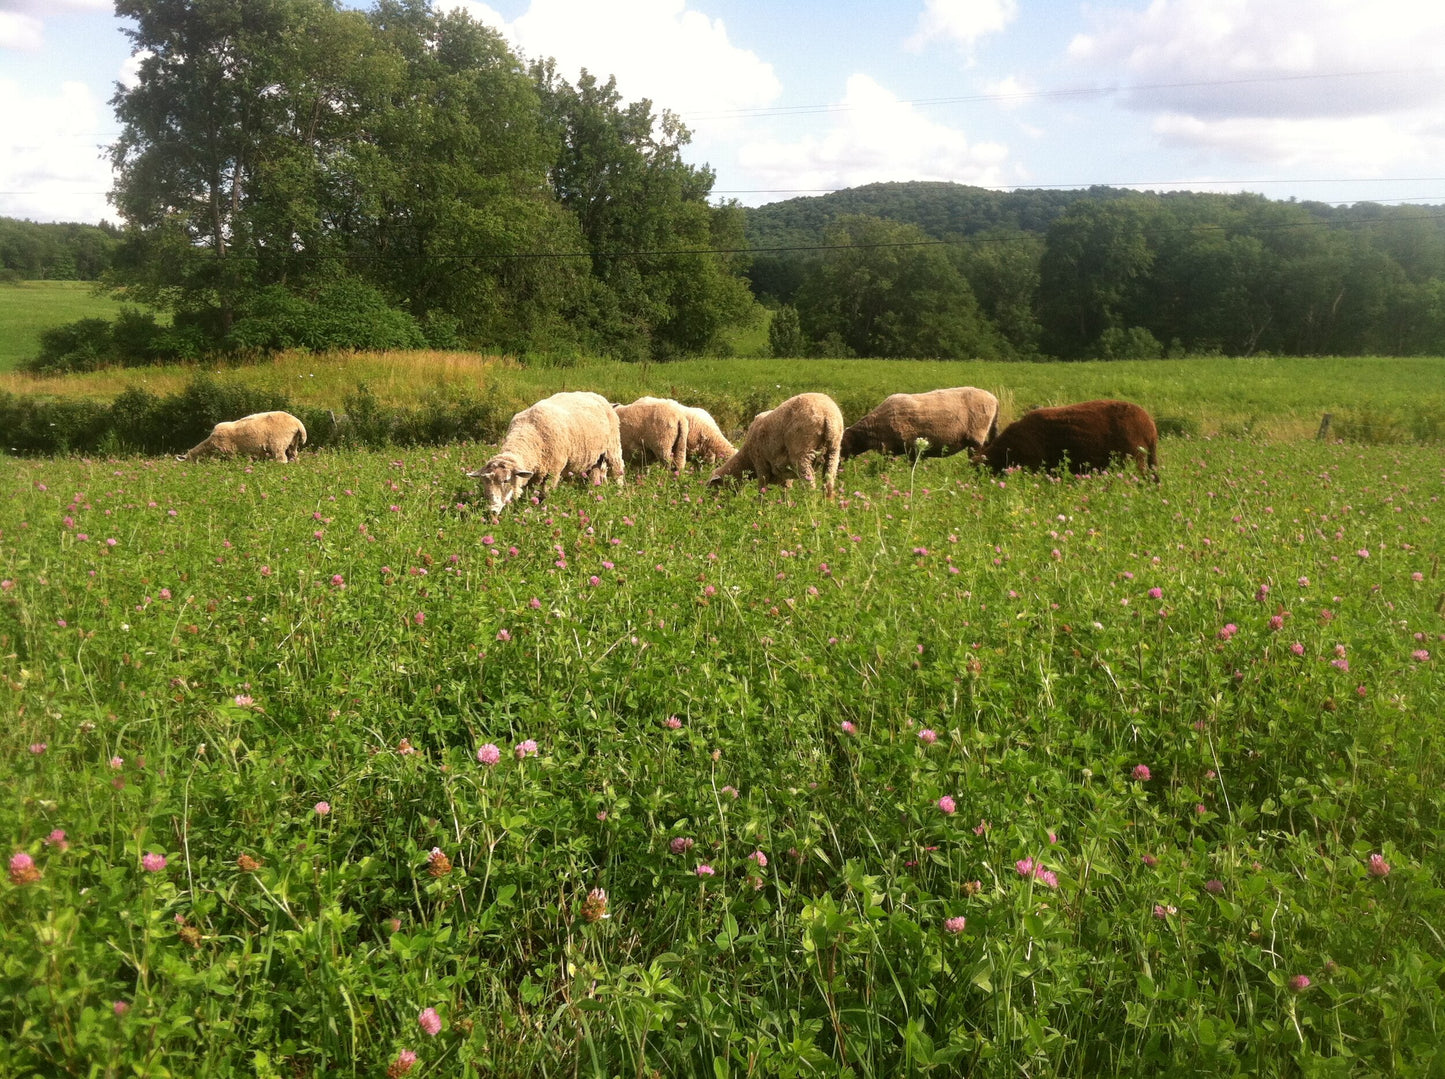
(789, 439)
(571, 434)
(275, 435)
(705, 439)
(964, 417)
(654, 427)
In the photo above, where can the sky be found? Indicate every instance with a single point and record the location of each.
(1332, 100)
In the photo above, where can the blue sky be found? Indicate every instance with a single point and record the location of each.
(1336, 100)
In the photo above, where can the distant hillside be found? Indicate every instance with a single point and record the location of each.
(40, 251)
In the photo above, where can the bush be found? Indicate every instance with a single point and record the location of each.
(84, 345)
(344, 314)
(1135, 343)
(785, 333)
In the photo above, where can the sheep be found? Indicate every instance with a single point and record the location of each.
(948, 420)
(1087, 435)
(787, 439)
(567, 434)
(705, 439)
(654, 427)
(277, 435)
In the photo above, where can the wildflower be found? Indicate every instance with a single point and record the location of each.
(1229, 630)
(438, 864)
(243, 700)
(430, 1022)
(594, 580)
(1261, 594)
(57, 840)
(401, 1065)
(419, 618)
(405, 748)
(323, 808)
(1420, 655)
(1161, 911)
(1378, 867)
(1304, 582)
(1214, 887)
(1149, 860)
(22, 869)
(153, 863)
(265, 571)
(955, 925)
(489, 754)
(1297, 648)
(1156, 593)
(928, 736)
(1417, 576)
(672, 723)
(1300, 982)
(1276, 623)
(37, 748)
(1363, 552)
(525, 749)
(680, 845)
(1141, 773)
(847, 727)
(594, 907)
(972, 887)
(1200, 809)
(504, 635)
(704, 870)
(247, 864)
(117, 763)
(948, 805)
(760, 858)
(729, 790)
(1341, 663)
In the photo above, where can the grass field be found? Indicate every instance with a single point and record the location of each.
(313, 774)
(1371, 399)
(28, 307)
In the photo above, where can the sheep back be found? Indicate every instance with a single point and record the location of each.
(275, 435)
(788, 440)
(963, 417)
(1087, 435)
(654, 427)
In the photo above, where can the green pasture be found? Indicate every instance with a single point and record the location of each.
(311, 770)
(29, 307)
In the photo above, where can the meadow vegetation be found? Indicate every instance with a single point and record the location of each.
(314, 772)
(28, 308)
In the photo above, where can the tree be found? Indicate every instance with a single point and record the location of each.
(885, 290)
(1095, 258)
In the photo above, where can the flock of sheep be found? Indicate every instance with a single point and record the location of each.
(580, 434)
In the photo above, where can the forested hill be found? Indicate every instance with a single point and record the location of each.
(941, 210)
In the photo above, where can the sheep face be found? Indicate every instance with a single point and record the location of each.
(500, 483)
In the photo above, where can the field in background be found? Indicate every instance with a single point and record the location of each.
(28, 307)
(1371, 399)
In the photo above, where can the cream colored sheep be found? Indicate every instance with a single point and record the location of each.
(654, 427)
(573, 434)
(275, 435)
(789, 439)
(950, 420)
(705, 439)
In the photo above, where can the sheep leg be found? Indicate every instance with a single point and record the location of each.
(614, 464)
(830, 471)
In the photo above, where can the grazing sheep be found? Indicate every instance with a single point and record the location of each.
(787, 439)
(277, 435)
(654, 427)
(705, 439)
(1087, 435)
(950, 420)
(571, 434)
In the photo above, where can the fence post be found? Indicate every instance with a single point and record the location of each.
(1324, 430)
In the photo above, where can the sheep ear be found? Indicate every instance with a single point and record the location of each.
(519, 474)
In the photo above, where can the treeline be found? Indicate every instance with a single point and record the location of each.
(927, 269)
(293, 174)
(35, 251)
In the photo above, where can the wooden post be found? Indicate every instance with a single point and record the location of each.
(1324, 431)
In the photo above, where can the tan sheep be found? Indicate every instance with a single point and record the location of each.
(654, 428)
(571, 434)
(275, 435)
(789, 439)
(948, 420)
(705, 440)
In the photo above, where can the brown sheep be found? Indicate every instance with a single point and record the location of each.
(1087, 435)
(948, 420)
(789, 439)
(573, 434)
(278, 436)
(654, 428)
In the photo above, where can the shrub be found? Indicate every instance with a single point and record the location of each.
(84, 345)
(344, 314)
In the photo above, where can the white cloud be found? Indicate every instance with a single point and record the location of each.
(874, 137)
(680, 59)
(51, 167)
(20, 31)
(1351, 87)
(962, 22)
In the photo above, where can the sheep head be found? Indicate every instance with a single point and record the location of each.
(501, 481)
